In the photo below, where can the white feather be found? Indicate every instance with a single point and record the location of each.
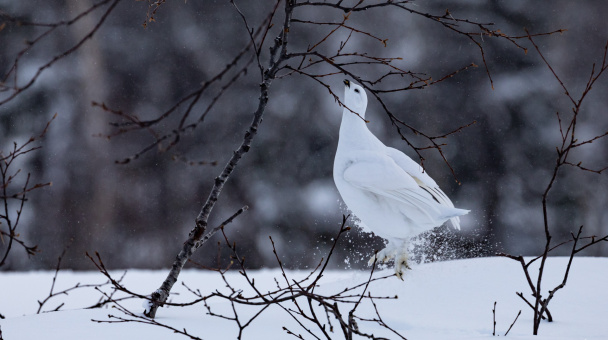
(383, 187)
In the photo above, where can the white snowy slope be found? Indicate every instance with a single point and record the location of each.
(387, 190)
(444, 300)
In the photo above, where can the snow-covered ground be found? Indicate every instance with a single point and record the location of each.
(444, 300)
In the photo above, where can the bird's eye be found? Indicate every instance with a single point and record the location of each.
(357, 90)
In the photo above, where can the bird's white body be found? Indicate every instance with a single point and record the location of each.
(384, 188)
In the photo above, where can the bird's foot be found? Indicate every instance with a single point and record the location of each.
(401, 265)
(387, 254)
(383, 256)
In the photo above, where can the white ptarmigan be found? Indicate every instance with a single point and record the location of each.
(384, 188)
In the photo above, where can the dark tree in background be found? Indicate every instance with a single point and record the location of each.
(136, 214)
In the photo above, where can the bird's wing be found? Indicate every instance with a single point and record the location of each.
(424, 181)
(379, 174)
(376, 170)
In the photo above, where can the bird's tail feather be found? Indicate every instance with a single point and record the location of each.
(453, 214)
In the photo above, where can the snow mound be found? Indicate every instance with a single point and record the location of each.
(442, 300)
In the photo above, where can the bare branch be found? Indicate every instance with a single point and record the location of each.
(9, 222)
(514, 321)
(18, 89)
(568, 143)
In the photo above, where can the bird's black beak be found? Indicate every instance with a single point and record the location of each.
(347, 83)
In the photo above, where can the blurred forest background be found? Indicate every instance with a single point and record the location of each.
(138, 214)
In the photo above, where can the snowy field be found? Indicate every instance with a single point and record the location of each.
(444, 300)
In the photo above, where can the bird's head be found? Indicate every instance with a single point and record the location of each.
(355, 97)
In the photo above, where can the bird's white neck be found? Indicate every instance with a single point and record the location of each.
(352, 121)
(354, 131)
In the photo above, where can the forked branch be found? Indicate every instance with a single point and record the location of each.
(10, 219)
(569, 142)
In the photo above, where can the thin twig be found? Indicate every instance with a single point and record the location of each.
(518, 314)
